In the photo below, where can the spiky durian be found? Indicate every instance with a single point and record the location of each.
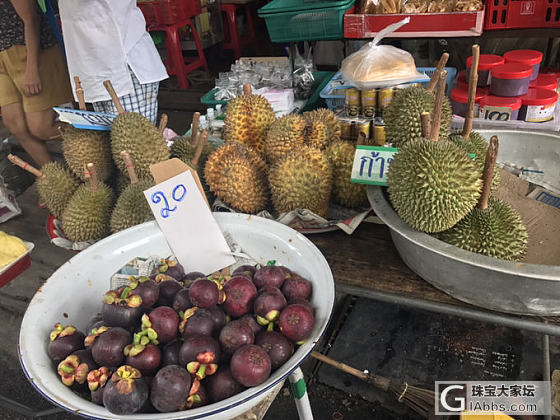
(285, 134)
(433, 185)
(402, 115)
(248, 118)
(329, 118)
(344, 192)
(132, 208)
(81, 147)
(119, 183)
(237, 175)
(317, 134)
(56, 187)
(184, 150)
(302, 180)
(133, 132)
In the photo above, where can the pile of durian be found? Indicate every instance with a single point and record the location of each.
(293, 162)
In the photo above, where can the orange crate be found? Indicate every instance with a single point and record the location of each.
(169, 12)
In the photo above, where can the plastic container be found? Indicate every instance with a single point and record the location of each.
(538, 105)
(11, 271)
(486, 63)
(499, 108)
(531, 58)
(521, 14)
(462, 82)
(87, 275)
(545, 81)
(169, 12)
(296, 20)
(510, 79)
(460, 98)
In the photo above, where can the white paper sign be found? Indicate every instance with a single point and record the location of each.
(188, 224)
(86, 120)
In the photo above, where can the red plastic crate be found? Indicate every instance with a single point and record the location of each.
(169, 12)
(519, 14)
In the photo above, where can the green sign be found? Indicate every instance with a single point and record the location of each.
(371, 164)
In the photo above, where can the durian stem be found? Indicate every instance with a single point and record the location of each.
(109, 87)
(194, 129)
(80, 93)
(425, 119)
(247, 89)
(129, 165)
(434, 132)
(488, 174)
(26, 166)
(435, 77)
(92, 176)
(86, 171)
(162, 123)
(473, 80)
(198, 152)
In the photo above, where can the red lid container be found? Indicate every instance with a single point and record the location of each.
(539, 97)
(487, 61)
(462, 96)
(511, 71)
(528, 57)
(501, 101)
(462, 82)
(545, 81)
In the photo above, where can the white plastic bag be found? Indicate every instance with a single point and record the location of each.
(377, 66)
(8, 205)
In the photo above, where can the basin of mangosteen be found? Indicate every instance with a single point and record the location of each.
(75, 292)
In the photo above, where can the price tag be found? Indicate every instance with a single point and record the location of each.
(371, 164)
(188, 225)
(86, 120)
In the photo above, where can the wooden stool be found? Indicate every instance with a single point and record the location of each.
(234, 42)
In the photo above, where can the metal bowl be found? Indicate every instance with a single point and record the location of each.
(72, 295)
(519, 288)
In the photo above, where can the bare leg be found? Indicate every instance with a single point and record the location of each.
(42, 124)
(14, 119)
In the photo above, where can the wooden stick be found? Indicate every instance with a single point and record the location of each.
(109, 86)
(473, 81)
(86, 171)
(162, 123)
(435, 77)
(425, 119)
(129, 165)
(26, 166)
(80, 93)
(247, 89)
(92, 176)
(198, 152)
(194, 129)
(434, 132)
(488, 174)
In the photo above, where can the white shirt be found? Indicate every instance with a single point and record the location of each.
(102, 39)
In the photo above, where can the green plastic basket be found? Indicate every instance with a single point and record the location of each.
(295, 20)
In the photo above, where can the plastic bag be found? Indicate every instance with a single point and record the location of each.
(8, 205)
(302, 75)
(377, 66)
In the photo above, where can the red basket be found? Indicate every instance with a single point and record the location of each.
(169, 12)
(511, 14)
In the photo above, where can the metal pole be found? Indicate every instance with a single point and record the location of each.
(546, 366)
(299, 392)
(444, 308)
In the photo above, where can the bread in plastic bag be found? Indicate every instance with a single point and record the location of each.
(374, 66)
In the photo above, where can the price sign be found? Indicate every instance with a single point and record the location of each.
(188, 225)
(86, 120)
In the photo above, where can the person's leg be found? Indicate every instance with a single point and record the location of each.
(14, 119)
(42, 124)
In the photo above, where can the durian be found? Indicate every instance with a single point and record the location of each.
(328, 118)
(493, 228)
(237, 175)
(131, 208)
(133, 132)
(248, 118)
(302, 180)
(120, 182)
(344, 192)
(55, 184)
(183, 149)
(87, 215)
(317, 134)
(284, 135)
(433, 184)
(83, 146)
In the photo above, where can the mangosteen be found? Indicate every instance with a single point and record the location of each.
(126, 392)
(240, 295)
(303, 302)
(170, 388)
(96, 380)
(145, 358)
(181, 301)
(86, 357)
(296, 287)
(204, 293)
(107, 349)
(278, 347)
(121, 308)
(197, 396)
(200, 354)
(222, 385)
(73, 372)
(192, 276)
(218, 315)
(250, 365)
(93, 321)
(168, 288)
(164, 321)
(172, 268)
(269, 275)
(268, 305)
(247, 269)
(196, 322)
(147, 289)
(252, 321)
(296, 322)
(270, 289)
(63, 341)
(95, 326)
(235, 334)
(170, 353)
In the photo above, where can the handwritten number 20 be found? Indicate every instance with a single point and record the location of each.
(178, 194)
